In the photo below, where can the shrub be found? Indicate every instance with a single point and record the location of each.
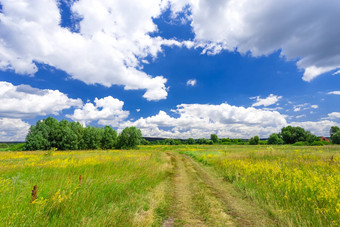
(254, 140)
(317, 143)
(300, 143)
(275, 139)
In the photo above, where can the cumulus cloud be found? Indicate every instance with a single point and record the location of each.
(334, 115)
(191, 82)
(270, 100)
(13, 129)
(199, 120)
(23, 101)
(303, 30)
(319, 128)
(334, 93)
(113, 39)
(106, 111)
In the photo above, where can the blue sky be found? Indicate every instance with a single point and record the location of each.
(175, 69)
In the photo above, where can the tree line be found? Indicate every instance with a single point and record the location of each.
(50, 133)
(288, 135)
(64, 135)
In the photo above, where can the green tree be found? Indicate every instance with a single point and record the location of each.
(65, 137)
(78, 129)
(254, 140)
(191, 141)
(129, 138)
(292, 134)
(35, 140)
(333, 130)
(109, 138)
(311, 138)
(169, 141)
(275, 139)
(214, 138)
(93, 137)
(336, 137)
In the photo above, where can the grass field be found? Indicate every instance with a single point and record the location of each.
(173, 186)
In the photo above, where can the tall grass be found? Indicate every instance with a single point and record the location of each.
(116, 188)
(300, 186)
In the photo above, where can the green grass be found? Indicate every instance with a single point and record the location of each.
(300, 186)
(116, 188)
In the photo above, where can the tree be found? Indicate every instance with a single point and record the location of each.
(93, 137)
(275, 139)
(336, 137)
(292, 135)
(254, 140)
(78, 129)
(333, 130)
(129, 138)
(66, 139)
(35, 140)
(214, 138)
(311, 138)
(169, 142)
(191, 141)
(109, 138)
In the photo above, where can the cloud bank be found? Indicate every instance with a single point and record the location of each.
(113, 38)
(23, 101)
(303, 30)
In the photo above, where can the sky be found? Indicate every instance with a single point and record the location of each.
(173, 68)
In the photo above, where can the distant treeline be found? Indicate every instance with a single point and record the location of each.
(64, 135)
(288, 135)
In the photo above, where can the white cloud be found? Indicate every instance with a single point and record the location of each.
(107, 111)
(113, 39)
(138, 110)
(334, 93)
(191, 82)
(304, 30)
(300, 116)
(337, 72)
(13, 129)
(334, 115)
(304, 106)
(198, 120)
(319, 128)
(270, 100)
(23, 101)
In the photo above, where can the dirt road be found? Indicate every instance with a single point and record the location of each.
(201, 198)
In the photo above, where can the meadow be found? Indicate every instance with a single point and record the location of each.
(299, 186)
(184, 185)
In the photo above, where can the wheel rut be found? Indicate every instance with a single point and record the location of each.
(200, 198)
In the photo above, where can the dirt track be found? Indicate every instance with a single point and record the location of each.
(200, 198)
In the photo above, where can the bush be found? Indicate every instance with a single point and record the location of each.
(254, 140)
(317, 143)
(300, 143)
(275, 139)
